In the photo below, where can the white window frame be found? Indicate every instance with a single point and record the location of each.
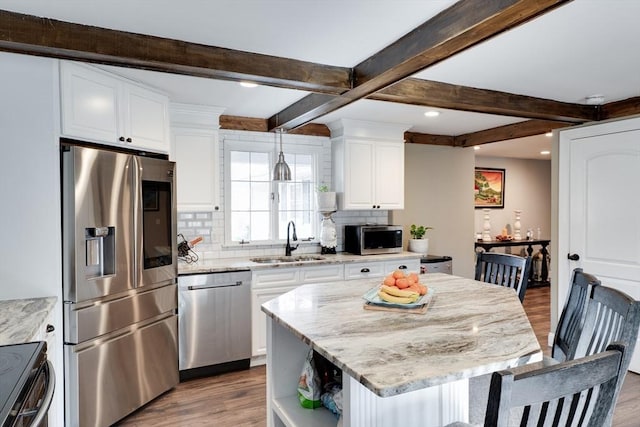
(298, 147)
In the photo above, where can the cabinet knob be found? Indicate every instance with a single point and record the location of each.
(128, 139)
(573, 257)
(402, 267)
(374, 206)
(50, 328)
(121, 139)
(378, 207)
(365, 270)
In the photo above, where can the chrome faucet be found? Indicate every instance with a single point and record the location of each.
(288, 249)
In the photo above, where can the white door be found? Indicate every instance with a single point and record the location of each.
(598, 207)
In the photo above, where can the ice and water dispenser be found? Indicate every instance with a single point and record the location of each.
(100, 252)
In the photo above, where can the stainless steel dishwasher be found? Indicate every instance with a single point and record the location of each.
(214, 323)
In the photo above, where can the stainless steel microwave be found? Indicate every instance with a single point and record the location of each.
(372, 239)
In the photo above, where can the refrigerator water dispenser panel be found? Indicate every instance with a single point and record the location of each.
(100, 252)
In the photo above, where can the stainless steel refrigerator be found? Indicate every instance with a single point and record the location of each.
(119, 282)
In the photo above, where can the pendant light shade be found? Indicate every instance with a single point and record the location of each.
(281, 171)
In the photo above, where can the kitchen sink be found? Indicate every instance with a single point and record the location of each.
(281, 259)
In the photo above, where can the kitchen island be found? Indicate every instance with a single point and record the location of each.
(398, 368)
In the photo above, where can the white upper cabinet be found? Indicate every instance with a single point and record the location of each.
(195, 149)
(98, 106)
(368, 164)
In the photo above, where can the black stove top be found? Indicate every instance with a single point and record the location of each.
(18, 365)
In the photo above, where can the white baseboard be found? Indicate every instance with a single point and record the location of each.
(550, 339)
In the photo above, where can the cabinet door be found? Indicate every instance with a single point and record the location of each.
(89, 104)
(196, 155)
(359, 175)
(259, 319)
(146, 118)
(389, 175)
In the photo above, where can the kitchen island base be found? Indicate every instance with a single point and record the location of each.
(432, 406)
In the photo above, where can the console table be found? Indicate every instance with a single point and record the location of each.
(487, 246)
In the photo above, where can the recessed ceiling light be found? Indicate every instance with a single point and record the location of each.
(248, 84)
(548, 134)
(432, 113)
(476, 147)
(545, 152)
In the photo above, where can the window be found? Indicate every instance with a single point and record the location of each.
(258, 209)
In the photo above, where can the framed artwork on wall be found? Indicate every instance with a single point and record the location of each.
(489, 188)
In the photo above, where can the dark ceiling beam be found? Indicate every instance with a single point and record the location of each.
(260, 125)
(28, 34)
(454, 97)
(503, 133)
(463, 25)
(429, 139)
(626, 107)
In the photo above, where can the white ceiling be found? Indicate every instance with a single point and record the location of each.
(583, 48)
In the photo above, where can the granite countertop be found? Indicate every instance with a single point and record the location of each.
(471, 328)
(20, 319)
(235, 264)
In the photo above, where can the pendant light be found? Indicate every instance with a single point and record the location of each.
(281, 171)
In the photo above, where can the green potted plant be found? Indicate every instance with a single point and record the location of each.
(417, 242)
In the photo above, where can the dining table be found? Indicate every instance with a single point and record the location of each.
(406, 367)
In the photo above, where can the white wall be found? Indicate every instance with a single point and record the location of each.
(30, 192)
(439, 193)
(527, 188)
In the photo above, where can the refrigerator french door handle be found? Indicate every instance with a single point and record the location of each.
(136, 202)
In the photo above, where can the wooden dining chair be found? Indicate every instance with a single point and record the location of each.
(612, 316)
(579, 392)
(573, 314)
(505, 270)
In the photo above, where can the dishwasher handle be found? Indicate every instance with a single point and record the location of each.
(213, 286)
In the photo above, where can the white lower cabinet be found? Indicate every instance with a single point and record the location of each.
(259, 319)
(406, 265)
(271, 283)
(363, 270)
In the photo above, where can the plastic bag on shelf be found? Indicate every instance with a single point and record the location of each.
(309, 388)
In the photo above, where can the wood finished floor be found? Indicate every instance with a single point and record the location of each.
(238, 399)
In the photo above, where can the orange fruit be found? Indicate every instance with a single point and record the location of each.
(389, 281)
(399, 274)
(402, 283)
(413, 277)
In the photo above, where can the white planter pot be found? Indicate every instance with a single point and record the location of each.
(420, 246)
(326, 201)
